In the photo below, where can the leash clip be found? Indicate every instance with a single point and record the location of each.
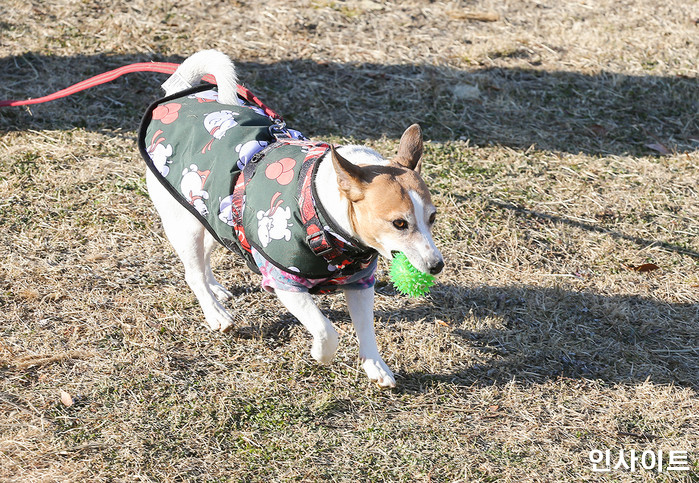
(278, 129)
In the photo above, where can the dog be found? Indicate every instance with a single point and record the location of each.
(327, 216)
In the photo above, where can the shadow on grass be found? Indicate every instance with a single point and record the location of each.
(539, 333)
(640, 241)
(544, 333)
(606, 113)
(536, 334)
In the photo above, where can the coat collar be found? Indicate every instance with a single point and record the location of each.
(323, 236)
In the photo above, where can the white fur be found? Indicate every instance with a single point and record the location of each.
(327, 187)
(210, 62)
(325, 338)
(422, 253)
(361, 308)
(194, 244)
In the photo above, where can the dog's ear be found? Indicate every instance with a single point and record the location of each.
(410, 148)
(350, 177)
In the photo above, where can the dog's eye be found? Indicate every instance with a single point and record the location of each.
(400, 223)
(433, 216)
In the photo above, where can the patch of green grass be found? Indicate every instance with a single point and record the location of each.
(132, 186)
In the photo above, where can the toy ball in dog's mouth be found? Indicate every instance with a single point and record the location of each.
(407, 279)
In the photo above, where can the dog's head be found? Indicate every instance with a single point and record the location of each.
(390, 207)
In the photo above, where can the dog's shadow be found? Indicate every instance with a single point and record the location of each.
(536, 334)
(544, 333)
(604, 113)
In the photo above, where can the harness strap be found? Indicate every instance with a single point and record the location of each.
(337, 252)
(316, 236)
(237, 210)
(238, 195)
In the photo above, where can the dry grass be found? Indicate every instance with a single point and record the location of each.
(538, 345)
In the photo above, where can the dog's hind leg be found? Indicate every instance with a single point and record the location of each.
(219, 291)
(188, 238)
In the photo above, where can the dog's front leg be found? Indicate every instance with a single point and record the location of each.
(325, 338)
(361, 308)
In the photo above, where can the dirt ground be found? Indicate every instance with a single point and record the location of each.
(562, 155)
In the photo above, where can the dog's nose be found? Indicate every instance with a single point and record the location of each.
(435, 269)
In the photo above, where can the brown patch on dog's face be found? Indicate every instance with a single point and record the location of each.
(385, 211)
(390, 207)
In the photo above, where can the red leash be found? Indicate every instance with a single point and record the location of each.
(160, 67)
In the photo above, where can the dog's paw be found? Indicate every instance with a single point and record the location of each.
(218, 318)
(324, 349)
(220, 292)
(378, 372)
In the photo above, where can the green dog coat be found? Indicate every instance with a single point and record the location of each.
(250, 181)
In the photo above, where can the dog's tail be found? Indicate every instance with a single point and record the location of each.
(200, 64)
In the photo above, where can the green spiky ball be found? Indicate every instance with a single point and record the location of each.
(408, 279)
